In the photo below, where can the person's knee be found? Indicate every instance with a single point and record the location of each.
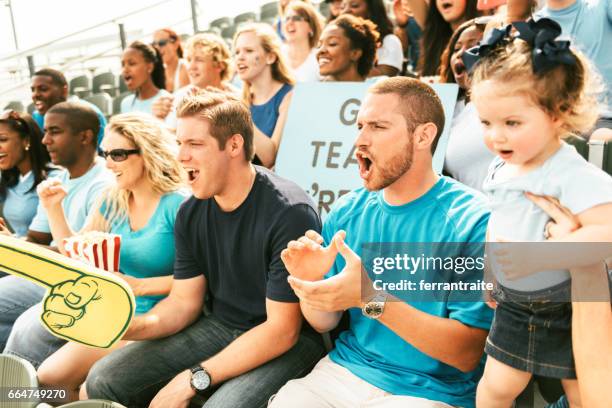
(100, 384)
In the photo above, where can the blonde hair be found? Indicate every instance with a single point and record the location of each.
(271, 45)
(161, 167)
(566, 92)
(313, 18)
(213, 45)
(227, 116)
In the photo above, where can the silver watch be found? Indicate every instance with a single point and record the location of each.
(375, 307)
(200, 379)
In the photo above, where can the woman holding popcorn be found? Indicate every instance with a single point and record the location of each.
(141, 208)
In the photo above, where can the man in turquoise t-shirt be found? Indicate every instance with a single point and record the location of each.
(395, 353)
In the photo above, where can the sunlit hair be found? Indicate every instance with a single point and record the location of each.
(161, 167)
(313, 18)
(215, 46)
(282, 6)
(226, 114)
(363, 36)
(271, 45)
(419, 103)
(567, 92)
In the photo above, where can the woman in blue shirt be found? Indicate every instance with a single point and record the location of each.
(141, 207)
(24, 163)
(267, 87)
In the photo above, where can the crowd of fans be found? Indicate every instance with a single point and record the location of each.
(232, 268)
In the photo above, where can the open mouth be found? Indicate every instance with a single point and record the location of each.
(241, 68)
(39, 105)
(505, 154)
(128, 79)
(192, 175)
(323, 61)
(459, 68)
(365, 164)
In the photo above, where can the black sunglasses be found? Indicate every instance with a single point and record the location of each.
(119, 155)
(162, 43)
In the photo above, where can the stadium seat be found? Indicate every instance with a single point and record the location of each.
(117, 102)
(16, 372)
(15, 105)
(211, 30)
(269, 10)
(103, 101)
(600, 154)
(221, 23)
(245, 18)
(324, 9)
(228, 32)
(105, 82)
(93, 404)
(31, 108)
(80, 86)
(580, 144)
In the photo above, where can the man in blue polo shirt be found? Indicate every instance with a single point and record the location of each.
(49, 87)
(395, 353)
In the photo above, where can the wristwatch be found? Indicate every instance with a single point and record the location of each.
(375, 307)
(200, 379)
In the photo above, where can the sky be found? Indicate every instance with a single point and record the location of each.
(39, 21)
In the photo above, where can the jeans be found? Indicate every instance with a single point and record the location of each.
(133, 374)
(30, 340)
(16, 296)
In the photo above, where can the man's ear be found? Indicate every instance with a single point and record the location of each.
(424, 136)
(87, 137)
(235, 145)
(65, 92)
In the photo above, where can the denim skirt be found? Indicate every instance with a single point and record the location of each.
(532, 331)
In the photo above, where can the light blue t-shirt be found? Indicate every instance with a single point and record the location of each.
(83, 194)
(149, 252)
(133, 104)
(21, 202)
(576, 183)
(448, 212)
(40, 119)
(589, 22)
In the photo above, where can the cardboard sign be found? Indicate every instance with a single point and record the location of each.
(317, 151)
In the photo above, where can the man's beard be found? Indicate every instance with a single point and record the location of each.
(395, 168)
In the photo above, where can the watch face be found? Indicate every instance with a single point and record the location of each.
(373, 309)
(200, 380)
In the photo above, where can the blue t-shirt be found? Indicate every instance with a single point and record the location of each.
(149, 252)
(133, 104)
(21, 202)
(589, 23)
(83, 194)
(265, 116)
(40, 119)
(448, 212)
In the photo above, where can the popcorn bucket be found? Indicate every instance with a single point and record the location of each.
(99, 249)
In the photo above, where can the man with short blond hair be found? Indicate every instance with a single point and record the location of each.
(229, 237)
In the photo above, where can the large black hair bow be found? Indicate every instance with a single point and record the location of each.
(548, 52)
(496, 37)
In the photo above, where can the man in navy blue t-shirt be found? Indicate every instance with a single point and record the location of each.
(229, 237)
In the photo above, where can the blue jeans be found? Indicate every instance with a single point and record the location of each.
(133, 374)
(16, 296)
(30, 340)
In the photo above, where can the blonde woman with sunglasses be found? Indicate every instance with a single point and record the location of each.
(141, 207)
